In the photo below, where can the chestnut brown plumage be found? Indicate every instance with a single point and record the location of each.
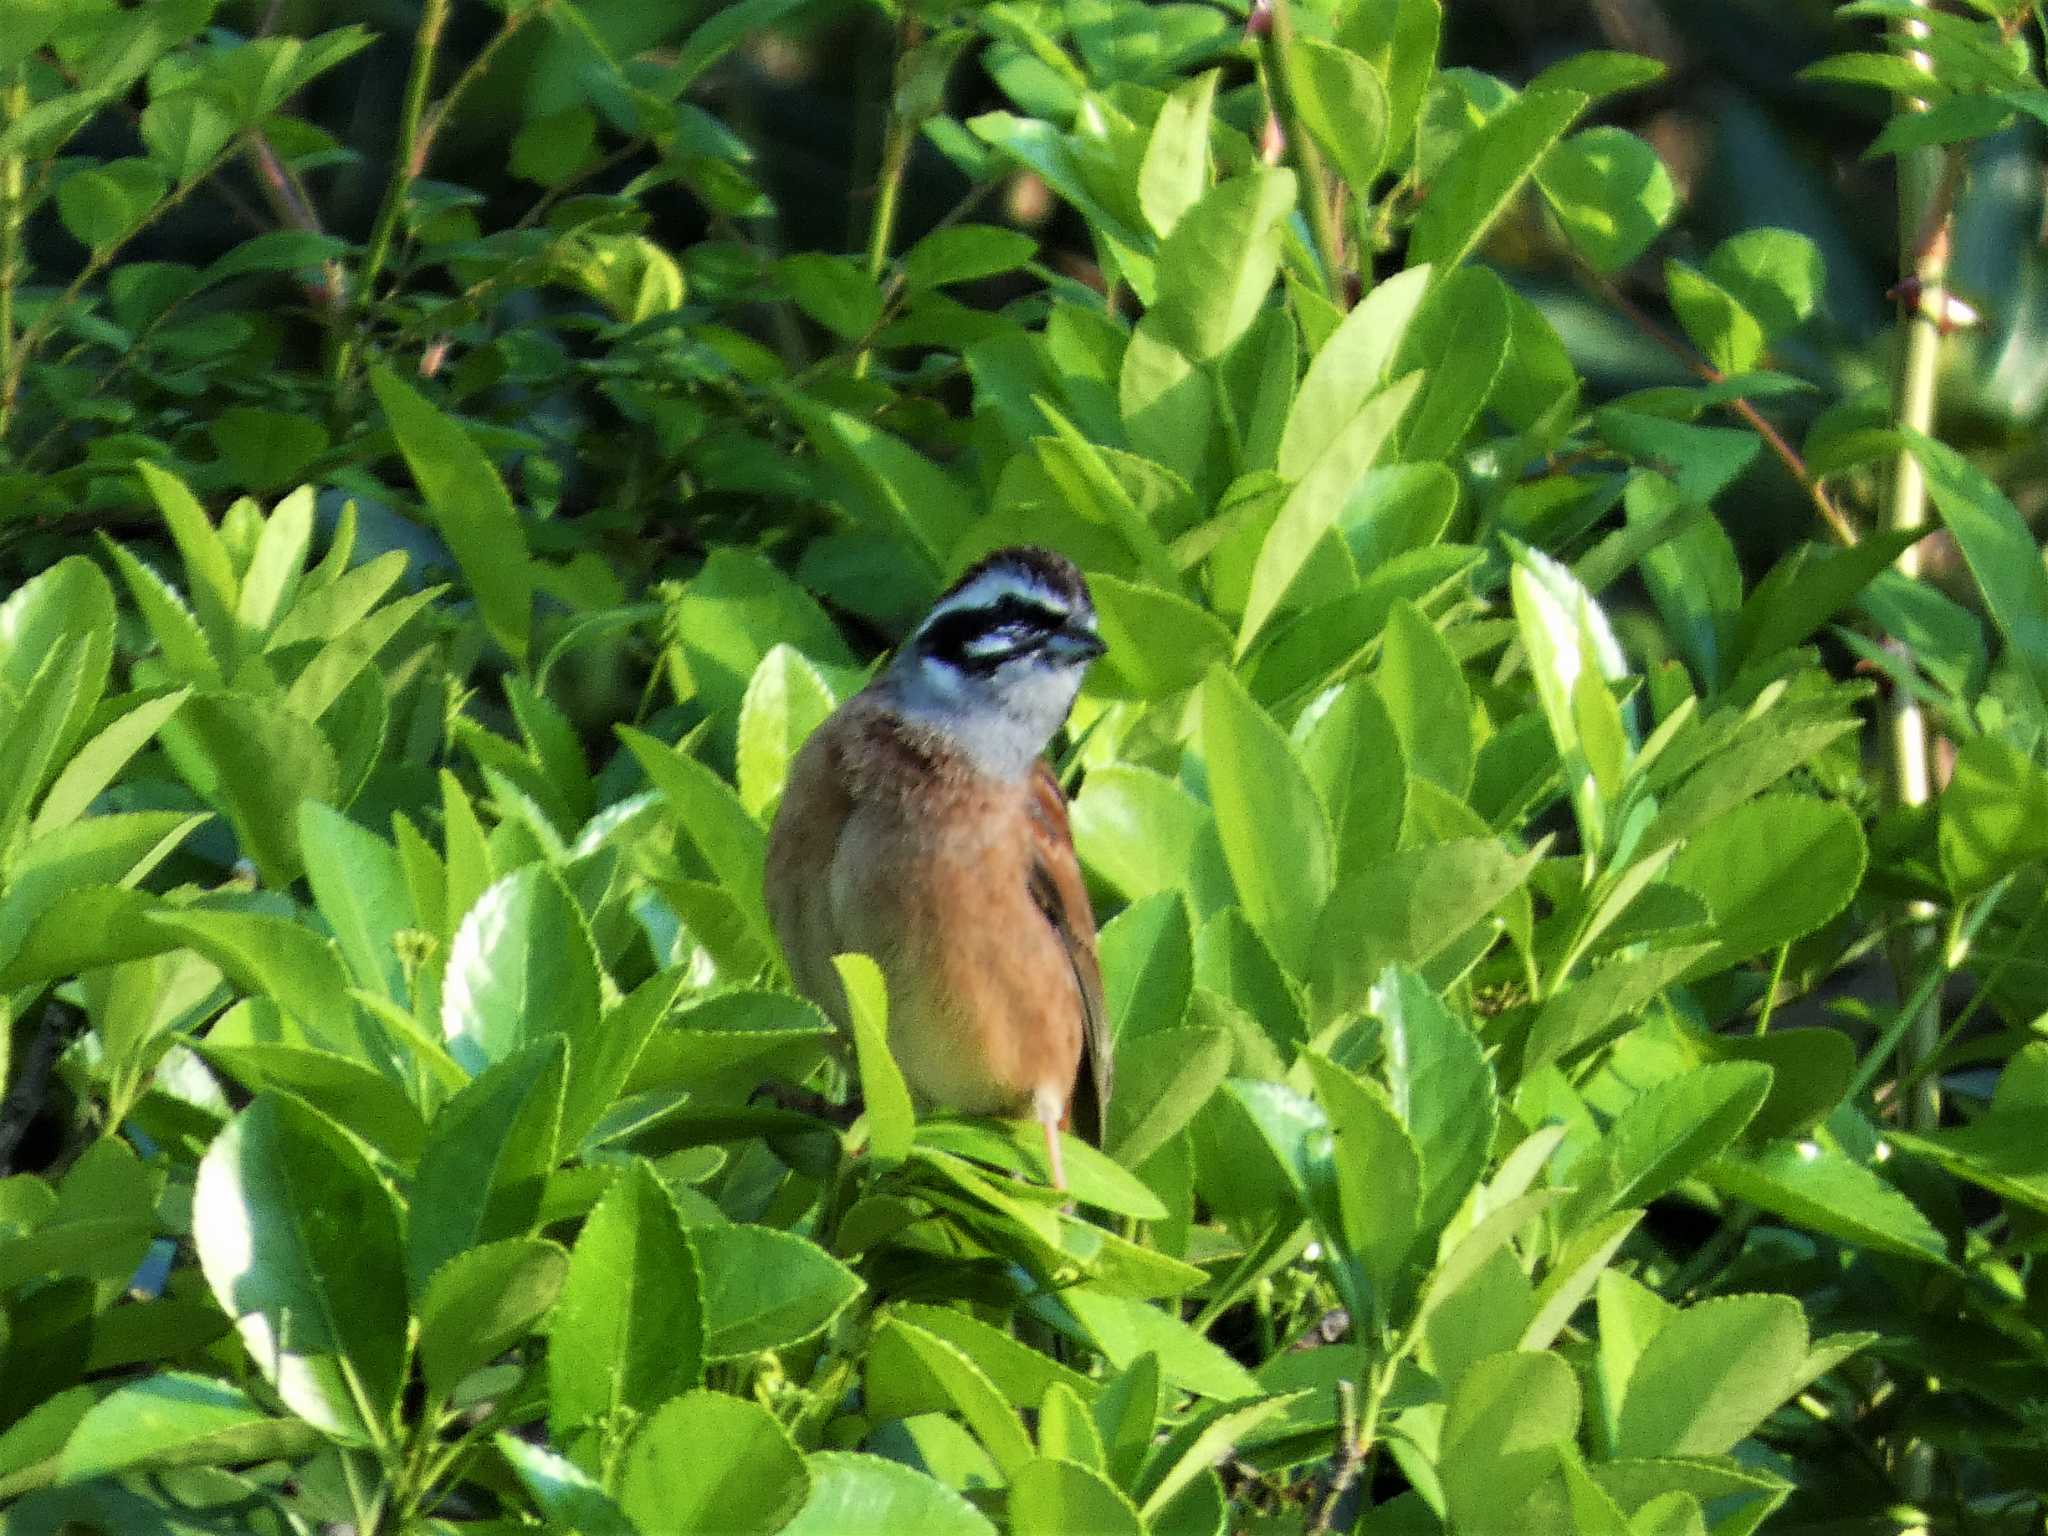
(921, 826)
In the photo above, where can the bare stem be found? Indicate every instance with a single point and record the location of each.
(898, 137)
(1928, 180)
(407, 162)
(1275, 51)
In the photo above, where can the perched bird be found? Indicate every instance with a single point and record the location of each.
(922, 826)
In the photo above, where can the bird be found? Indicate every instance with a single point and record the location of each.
(921, 825)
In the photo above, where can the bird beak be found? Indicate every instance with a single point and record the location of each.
(1078, 643)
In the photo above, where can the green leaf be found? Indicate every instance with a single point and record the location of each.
(1994, 815)
(1442, 1089)
(1234, 962)
(1315, 502)
(1175, 170)
(184, 130)
(1379, 1171)
(1482, 177)
(176, 1419)
(1124, 1328)
(910, 1370)
(1821, 1190)
(1771, 870)
(711, 814)
(834, 291)
(282, 960)
(1423, 689)
(903, 492)
(1275, 834)
(1599, 72)
(1163, 1080)
(369, 1103)
(97, 763)
(469, 505)
(1671, 1129)
(1610, 192)
(1774, 274)
(521, 965)
(1349, 368)
(71, 601)
(1353, 756)
(255, 762)
(2000, 550)
(628, 1331)
(1711, 1375)
(102, 205)
(487, 1159)
(1503, 1424)
(1406, 909)
(2001, 1151)
(360, 891)
(1459, 343)
(1138, 831)
(1217, 267)
(1147, 958)
(1159, 643)
(891, 1120)
(1343, 106)
(859, 1495)
(1049, 1497)
(965, 253)
(1810, 1072)
(1025, 1376)
(562, 1491)
(482, 1303)
(765, 1289)
(751, 1483)
(1718, 323)
(1809, 587)
(1567, 638)
(787, 698)
(1591, 1009)
(300, 1243)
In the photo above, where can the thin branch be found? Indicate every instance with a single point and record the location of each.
(406, 165)
(1831, 516)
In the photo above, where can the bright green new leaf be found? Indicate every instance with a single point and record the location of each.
(1217, 267)
(891, 1120)
(1275, 834)
(1344, 107)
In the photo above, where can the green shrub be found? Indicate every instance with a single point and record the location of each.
(1466, 811)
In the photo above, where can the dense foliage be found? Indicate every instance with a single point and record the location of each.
(1570, 879)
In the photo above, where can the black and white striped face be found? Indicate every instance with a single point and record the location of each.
(997, 662)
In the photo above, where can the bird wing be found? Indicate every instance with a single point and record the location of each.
(1057, 888)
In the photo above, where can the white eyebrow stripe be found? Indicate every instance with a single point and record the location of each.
(990, 588)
